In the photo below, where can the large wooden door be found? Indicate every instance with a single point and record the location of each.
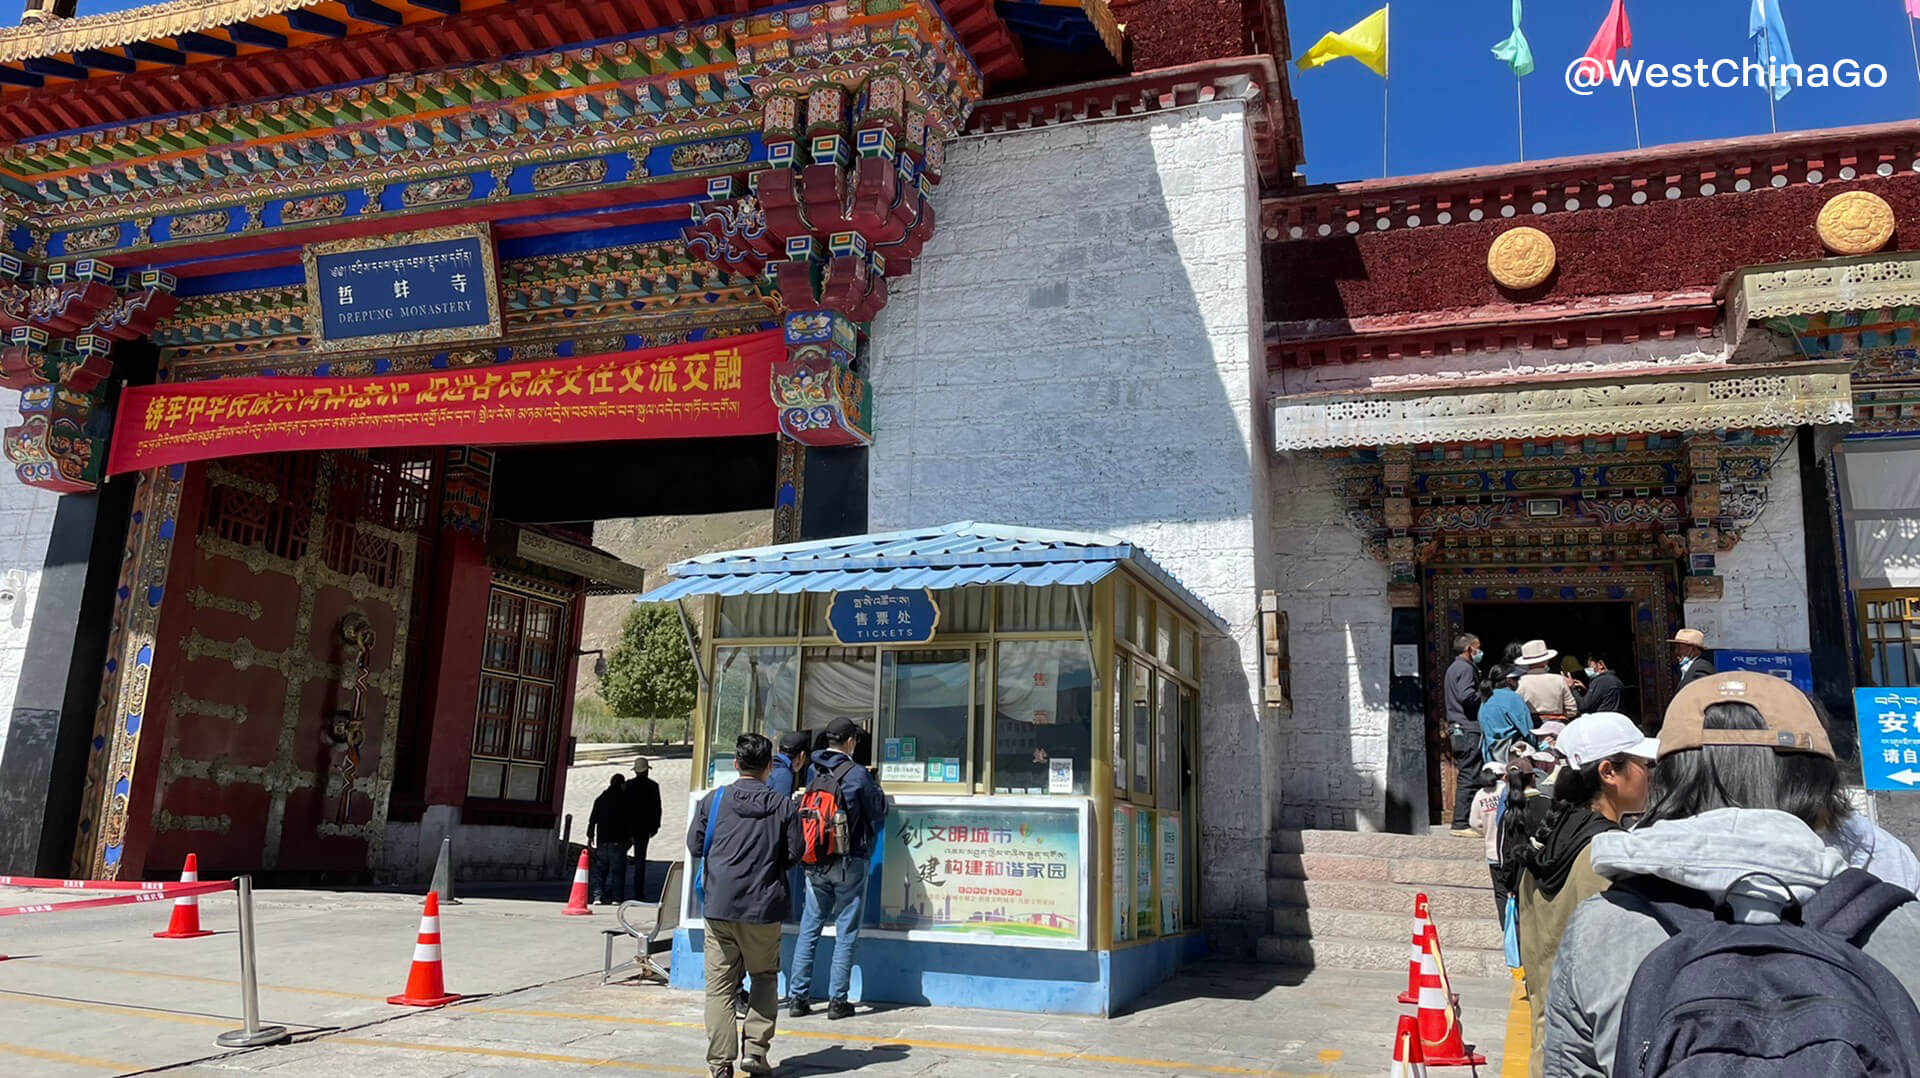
(278, 683)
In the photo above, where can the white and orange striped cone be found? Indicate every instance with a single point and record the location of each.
(577, 901)
(184, 924)
(426, 983)
(1408, 1060)
(1421, 926)
(1439, 1015)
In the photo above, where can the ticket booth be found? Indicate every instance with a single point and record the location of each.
(1033, 704)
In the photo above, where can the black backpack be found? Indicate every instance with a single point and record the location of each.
(1797, 999)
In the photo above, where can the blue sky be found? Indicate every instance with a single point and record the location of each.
(1453, 103)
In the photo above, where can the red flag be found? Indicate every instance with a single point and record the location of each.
(1913, 8)
(1616, 34)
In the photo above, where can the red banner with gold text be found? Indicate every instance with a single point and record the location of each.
(706, 390)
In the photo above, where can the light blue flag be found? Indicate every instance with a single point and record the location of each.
(1515, 50)
(1769, 33)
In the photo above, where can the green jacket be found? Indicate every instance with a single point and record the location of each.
(1542, 920)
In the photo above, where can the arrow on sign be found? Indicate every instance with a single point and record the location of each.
(1907, 777)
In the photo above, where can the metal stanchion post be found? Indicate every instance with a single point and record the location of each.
(254, 1035)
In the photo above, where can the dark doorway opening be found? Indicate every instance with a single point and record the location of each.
(1577, 629)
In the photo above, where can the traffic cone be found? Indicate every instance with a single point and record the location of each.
(1421, 926)
(426, 986)
(1439, 1015)
(577, 901)
(1408, 1060)
(185, 922)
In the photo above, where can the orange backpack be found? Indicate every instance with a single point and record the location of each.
(823, 818)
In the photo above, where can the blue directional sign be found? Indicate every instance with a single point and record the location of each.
(434, 289)
(883, 617)
(1889, 737)
(1794, 666)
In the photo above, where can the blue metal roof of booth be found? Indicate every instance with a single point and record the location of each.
(949, 556)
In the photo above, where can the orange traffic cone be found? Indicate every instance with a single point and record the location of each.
(577, 901)
(1408, 1060)
(1439, 1014)
(426, 986)
(1421, 926)
(185, 922)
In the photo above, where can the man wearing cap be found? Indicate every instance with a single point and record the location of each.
(643, 806)
(1690, 651)
(837, 888)
(790, 762)
(1548, 694)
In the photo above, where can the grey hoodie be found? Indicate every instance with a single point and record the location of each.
(1713, 853)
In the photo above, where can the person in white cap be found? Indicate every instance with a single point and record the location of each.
(1609, 765)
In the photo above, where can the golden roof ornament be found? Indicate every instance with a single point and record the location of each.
(1521, 258)
(1855, 223)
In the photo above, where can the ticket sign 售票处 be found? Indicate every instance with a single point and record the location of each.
(1889, 737)
(436, 285)
(883, 617)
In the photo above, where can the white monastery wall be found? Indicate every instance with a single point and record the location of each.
(1764, 607)
(26, 524)
(1080, 347)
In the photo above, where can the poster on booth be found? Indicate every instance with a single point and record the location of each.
(976, 873)
(1889, 737)
(1122, 874)
(1143, 866)
(1170, 912)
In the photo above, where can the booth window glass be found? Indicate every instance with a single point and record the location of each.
(926, 709)
(834, 682)
(1189, 808)
(746, 616)
(519, 696)
(1043, 716)
(1172, 730)
(1122, 673)
(1890, 625)
(1140, 725)
(754, 689)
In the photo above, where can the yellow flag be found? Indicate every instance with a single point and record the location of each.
(1365, 41)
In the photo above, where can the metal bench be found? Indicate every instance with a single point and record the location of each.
(650, 940)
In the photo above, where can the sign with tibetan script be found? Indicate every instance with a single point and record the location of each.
(883, 617)
(1794, 666)
(390, 291)
(981, 871)
(1889, 737)
(707, 390)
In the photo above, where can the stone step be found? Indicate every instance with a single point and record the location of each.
(1337, 953)
(1435, 845)
(1339, 866)
(1392, 898)
(1473, 933)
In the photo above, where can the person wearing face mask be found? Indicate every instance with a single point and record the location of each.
(1690, 650)
(1461, 694)
(1604, 687)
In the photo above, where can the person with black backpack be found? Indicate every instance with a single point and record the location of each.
(841, 813)
(1733, 940)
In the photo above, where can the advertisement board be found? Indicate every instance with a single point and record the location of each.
(979, 871)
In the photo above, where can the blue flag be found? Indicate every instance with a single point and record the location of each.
(1769, 33)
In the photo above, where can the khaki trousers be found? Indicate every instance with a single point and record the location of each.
(735, 949)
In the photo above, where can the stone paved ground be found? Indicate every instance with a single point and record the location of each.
(90, 992)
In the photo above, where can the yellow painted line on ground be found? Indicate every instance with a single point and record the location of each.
(1519, 1049)
(512, 1053)
(119, 1008)
(208, 980)
(62, 1057)
(962, 1047)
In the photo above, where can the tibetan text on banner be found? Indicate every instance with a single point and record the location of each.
(711, 389)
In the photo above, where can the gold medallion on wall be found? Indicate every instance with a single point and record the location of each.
(1521, 258)
(1855, 223)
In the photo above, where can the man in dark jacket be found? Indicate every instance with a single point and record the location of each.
(643, 804)
(1605, 690)
(789, 762)
(610, 832)
(754, 840)
(837, 887)
(1690, 653)
(1461, 694)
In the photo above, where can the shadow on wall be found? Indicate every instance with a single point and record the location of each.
(1077, 349)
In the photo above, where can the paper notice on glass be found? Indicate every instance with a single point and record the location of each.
(908, 771)
(1406, 660)
(1059, 776)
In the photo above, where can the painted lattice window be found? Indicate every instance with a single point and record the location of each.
(1890, 636)
(522, 660)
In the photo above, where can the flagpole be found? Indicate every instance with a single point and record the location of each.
(1915, 45)
(1386, 86)
(1634, 98)
(1520, 115)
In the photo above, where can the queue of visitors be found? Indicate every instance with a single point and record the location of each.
(808, 817)
(1703, 902)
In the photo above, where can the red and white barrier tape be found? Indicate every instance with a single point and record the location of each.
(85, 885)
(165, 893)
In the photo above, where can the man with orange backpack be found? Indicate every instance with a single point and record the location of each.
(841, 813)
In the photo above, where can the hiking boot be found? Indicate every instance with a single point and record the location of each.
(800, 1009)
(838, 1009)
(755, 1065)
(720, 1070)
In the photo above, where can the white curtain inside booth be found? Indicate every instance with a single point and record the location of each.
(1880, 505)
